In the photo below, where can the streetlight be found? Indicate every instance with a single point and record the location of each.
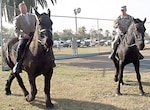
(74, 40)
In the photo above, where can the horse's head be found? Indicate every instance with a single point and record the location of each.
(140, 33)
(45, 29)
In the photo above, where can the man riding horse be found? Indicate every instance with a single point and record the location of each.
(25, 24)
(122, 23)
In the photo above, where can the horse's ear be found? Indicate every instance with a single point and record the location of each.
(134, 19)
(37, 14)
(49, 12)
(144, 20)
(53, 1)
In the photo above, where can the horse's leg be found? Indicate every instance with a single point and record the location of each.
(33, 88)
(8, 84)
(47, 89)
(120, 76)
(21, 84)
(116, 63)
(136, 65)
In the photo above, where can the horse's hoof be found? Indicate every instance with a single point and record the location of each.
(50, 106)
(118, 94)
(123, 83)
(142, 94)
(8, 93)
(26, 93)
(29, 99)
(115, 79)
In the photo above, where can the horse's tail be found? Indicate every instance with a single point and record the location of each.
(7, 48)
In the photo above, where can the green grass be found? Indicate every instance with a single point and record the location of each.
(75, 88)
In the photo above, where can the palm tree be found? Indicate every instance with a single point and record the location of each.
(11, 6)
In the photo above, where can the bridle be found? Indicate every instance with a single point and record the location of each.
(45, 34)
(137, 35)
(44, 28)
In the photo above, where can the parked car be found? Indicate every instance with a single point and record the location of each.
(108, 42)
(102, 42)
(147, 41)
(66, 44)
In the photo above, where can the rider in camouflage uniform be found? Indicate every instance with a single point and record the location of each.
(122, 23)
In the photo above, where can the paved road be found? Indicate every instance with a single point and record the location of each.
(102, 62)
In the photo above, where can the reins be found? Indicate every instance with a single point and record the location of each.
(131, 45)
(136, 39)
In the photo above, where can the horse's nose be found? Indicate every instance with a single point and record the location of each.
(49, 42)
(141, 47)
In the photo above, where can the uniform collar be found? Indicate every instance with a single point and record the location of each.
(125, 16)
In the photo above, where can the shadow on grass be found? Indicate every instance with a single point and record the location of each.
(134, 83)
(70, 104)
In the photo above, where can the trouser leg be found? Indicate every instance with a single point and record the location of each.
(20, 50)
(113, 53)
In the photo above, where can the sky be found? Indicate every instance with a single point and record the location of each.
(99, 9)
(102, 9)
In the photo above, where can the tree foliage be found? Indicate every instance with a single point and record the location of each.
(81, 32)
(10, 7)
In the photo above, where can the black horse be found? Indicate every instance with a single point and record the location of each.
(128, 52)
(37, 59)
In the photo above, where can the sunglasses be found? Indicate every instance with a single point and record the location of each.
(122, 10)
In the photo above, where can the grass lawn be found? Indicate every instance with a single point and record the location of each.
(83, 50)
(75, 88)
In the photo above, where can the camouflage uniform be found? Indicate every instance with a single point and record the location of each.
(122, 23)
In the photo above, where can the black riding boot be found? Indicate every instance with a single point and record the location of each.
(140, 56)
(17, 67)
(22, 43)
(113, 53)
(116, 44)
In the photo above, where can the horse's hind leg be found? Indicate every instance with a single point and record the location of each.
(8, 83)
(47, 89)
(21, 84)
(120, 76)
(116, 63)
(136, 65)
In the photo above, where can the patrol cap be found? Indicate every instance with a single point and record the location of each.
(123, 8)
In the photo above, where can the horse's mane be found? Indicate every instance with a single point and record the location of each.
(129, 34)
(131, 28)
(34, 42)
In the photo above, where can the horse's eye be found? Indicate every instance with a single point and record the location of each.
(42, 34)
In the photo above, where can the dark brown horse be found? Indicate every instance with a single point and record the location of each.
(128, 52)
(37, 59)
